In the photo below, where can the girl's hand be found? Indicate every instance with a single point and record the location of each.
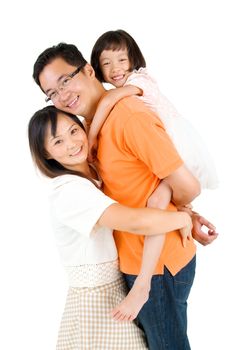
(92, 153)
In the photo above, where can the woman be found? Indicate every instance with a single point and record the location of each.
(83, 219)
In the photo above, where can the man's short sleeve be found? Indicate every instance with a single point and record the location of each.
(146, 138)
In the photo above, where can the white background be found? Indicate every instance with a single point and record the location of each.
(187, 48)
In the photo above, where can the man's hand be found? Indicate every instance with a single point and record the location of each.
(198, 234)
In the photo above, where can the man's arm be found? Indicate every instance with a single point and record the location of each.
(185, 187)
(146, 138)
(199, 235)
(200, 225)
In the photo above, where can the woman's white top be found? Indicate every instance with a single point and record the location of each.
(187, 141)
(76, 206)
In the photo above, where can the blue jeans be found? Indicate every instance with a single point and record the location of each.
(164, 316)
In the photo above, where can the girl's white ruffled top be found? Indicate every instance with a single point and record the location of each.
(188, 142)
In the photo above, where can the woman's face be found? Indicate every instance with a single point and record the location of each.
(115, 66)
(69, 146)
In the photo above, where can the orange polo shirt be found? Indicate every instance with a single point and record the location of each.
(134, 154)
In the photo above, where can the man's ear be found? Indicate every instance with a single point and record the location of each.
(89, 70)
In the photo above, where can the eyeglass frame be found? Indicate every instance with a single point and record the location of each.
(71, 75)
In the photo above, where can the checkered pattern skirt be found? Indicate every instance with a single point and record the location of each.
(88, 325)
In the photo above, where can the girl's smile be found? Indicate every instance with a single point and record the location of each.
(115, 66)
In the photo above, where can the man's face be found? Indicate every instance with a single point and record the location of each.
(70, 95)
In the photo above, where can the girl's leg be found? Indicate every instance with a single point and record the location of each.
(129, 308)
(164, 316)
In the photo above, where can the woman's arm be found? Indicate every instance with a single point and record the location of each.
(145, 221)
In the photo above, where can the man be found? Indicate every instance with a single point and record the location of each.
(134, 154)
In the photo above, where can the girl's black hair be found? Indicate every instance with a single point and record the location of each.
(116, 40)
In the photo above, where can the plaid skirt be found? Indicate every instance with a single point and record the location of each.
(87, 324)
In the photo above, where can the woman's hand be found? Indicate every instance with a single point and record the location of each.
(186, 231)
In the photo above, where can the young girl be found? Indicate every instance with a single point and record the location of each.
(83, 219)
(117, 59)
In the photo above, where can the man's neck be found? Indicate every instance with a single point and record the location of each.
(96, 97)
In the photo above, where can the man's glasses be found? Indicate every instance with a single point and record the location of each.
(63, 85)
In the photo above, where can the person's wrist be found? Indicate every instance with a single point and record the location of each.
(186, 218)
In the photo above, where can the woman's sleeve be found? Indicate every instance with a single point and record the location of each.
(78, 204)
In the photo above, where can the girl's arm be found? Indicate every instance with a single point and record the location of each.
(104, 107)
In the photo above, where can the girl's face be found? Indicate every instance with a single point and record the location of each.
(115, 66)
(69, 146)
